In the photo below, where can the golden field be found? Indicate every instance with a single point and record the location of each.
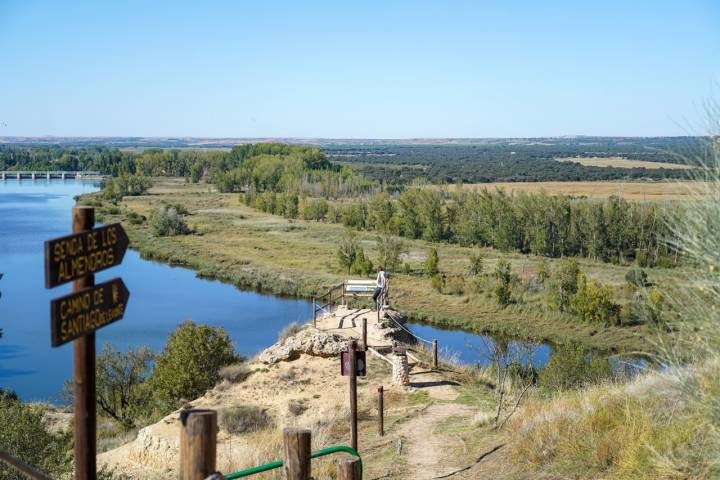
(619, 162)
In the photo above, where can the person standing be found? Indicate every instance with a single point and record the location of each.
(380, 283)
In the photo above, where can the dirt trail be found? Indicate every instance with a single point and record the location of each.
(428, 450)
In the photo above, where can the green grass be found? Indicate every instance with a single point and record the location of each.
(254, 250)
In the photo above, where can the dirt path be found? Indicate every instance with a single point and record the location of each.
(429, 451)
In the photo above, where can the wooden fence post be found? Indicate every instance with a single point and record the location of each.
(435, 354)
(83, 219)
(198, 443)
(352, 353)
(348, 469)
(381, 412)
(314, 313)
(296, 457)
(364, 334)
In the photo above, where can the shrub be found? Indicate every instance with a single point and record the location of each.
(168, 222)
(571, 366)
(235, 373)
(313, 209)
(120, 383)
(190, 363)
(438, 283)
(297, 407)
(25, 436)
(476, 264)
(455, 285)
(593, 302)
(244, 419)
(637, 277)
(135, 218)
(543, 271)
(432, 263)
(503, 287)
(289, 331)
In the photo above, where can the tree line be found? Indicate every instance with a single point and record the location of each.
(613, 230)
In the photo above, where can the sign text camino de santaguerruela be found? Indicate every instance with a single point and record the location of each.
(87, 310)
(74, 256)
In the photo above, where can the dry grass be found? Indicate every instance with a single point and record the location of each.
(619, 162)
(648, 191)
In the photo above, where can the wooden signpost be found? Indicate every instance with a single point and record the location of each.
(75, 258)
(352, 364)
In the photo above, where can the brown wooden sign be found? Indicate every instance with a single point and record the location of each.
(85, 311)
(74, 256)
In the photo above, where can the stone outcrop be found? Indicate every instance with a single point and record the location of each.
(308, 341)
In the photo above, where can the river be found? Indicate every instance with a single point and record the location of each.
(161, 297)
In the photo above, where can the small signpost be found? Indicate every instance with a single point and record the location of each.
(352, 365)
(75, 317)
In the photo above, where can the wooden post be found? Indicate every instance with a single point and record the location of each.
(348, 469)
(198, 443)
(83, 219)
(352, 352)
(314, 313)
(296, 459)
(343, 294)
(364, 334)
(435, 354)
(381, 411)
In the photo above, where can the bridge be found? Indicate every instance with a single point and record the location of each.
(47, 175)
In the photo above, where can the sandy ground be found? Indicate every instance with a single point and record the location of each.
(316, 384)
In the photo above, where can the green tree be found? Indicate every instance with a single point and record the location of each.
(25, 436)
(190, 362)
(477, 263)
(362, 265)
(432, 263)
(390, 248)
(120, 379)
(347, 250)
(564, 283)
(503, 286)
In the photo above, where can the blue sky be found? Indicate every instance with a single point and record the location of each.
(369, 69)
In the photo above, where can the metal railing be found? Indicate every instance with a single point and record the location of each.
(279, 463)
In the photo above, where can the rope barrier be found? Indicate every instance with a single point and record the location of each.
(408, 331)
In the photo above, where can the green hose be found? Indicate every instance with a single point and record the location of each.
(279, 463)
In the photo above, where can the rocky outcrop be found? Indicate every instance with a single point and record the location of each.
(308, 341)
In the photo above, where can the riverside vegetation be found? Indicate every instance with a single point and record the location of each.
(578, 419)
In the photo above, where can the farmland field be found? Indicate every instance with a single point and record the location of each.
(655, 191)
(620, 162)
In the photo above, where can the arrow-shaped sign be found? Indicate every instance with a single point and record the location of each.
(82, 312)
(74, 256)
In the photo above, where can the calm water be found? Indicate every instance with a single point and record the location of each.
(160, 298)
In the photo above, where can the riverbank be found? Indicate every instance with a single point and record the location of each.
(254, 250)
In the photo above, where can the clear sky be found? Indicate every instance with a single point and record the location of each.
(363, 69)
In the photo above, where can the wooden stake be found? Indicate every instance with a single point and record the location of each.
(198, 444)
(435, 354)
(314, 313)
(83, 219)
(352, 350)
(296, 459)
(364, 333)
(381, 412)
(348, 469)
